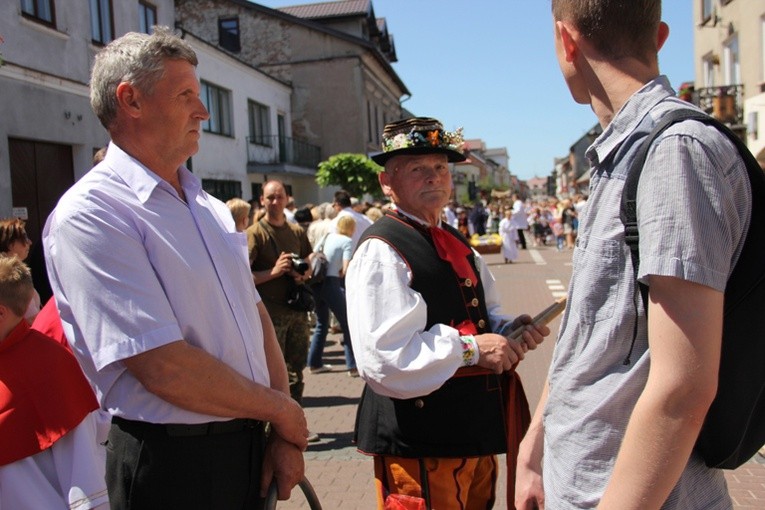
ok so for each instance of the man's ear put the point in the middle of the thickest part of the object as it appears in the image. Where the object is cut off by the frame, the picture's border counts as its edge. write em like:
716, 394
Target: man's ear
384, 179
128, 99
568, 41
662, 35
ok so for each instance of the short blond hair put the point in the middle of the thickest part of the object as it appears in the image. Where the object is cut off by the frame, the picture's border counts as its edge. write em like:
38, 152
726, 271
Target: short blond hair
16, 289
346, 225
239, 209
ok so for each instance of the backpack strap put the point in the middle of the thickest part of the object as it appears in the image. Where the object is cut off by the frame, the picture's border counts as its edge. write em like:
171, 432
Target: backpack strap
628, 211
320, 245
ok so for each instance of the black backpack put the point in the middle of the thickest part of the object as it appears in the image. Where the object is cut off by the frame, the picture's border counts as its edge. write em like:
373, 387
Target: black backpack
734, 428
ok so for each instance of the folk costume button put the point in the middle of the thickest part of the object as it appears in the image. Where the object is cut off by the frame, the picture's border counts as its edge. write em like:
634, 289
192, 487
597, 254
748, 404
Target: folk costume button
419, 404
481, 323
468, 282
474, 302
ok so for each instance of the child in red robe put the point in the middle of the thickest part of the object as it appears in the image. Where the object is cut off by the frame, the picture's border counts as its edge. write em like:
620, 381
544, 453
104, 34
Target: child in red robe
49, 455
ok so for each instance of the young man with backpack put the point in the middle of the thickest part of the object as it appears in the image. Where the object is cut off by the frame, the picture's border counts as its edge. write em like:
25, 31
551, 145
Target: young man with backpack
629, 388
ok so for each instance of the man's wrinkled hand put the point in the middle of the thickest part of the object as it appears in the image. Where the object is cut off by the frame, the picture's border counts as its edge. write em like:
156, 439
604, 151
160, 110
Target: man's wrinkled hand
497, 353
283, 462
291, 424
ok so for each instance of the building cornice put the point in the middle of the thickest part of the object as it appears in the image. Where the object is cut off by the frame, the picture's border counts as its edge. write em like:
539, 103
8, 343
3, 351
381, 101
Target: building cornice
38, 78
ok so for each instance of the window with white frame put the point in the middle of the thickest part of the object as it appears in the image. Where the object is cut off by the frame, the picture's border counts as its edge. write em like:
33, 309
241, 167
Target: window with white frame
218, 104
39, 10
708, 69
101, 21
752, 124
260, 123
731, 62
147, 17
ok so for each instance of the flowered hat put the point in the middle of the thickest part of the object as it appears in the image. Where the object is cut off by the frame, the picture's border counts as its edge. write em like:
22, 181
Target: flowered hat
419, 135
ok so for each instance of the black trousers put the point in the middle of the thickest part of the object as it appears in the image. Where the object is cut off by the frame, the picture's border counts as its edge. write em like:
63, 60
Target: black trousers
206, 466
522, 238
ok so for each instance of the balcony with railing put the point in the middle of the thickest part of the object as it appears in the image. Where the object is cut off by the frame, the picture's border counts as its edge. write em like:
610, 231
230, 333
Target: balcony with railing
725, 102
274, 153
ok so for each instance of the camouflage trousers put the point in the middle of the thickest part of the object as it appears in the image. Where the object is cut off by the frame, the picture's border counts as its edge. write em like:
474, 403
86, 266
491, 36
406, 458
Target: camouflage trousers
292, 333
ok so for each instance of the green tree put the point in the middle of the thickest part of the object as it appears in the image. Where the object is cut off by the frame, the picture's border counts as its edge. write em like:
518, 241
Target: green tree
355, 173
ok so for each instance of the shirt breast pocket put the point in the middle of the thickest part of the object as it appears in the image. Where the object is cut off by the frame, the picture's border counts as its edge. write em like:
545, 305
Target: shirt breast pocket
237, 241
598, 267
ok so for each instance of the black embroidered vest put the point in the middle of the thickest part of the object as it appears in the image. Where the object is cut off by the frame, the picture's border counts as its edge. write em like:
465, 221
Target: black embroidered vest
465, 417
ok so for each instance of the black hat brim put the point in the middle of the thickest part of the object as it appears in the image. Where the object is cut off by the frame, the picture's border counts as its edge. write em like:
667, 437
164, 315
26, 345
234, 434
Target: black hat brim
453, 156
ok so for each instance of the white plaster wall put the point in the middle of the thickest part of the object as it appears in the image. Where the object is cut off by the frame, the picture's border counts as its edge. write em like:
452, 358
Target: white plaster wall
743, 17
44, 94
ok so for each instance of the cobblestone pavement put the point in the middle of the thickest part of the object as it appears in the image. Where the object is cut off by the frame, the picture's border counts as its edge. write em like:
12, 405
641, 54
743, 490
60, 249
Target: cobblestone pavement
342, 477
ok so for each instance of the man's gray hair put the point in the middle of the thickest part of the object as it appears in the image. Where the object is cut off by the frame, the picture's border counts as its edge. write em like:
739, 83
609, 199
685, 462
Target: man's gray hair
135, 58
329, 211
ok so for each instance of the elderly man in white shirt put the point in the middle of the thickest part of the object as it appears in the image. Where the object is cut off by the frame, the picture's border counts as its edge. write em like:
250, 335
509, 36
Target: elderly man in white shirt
156, 297
428, 334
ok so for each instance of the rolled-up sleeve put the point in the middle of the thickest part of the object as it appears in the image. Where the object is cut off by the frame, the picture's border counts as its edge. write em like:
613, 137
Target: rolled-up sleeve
700, 240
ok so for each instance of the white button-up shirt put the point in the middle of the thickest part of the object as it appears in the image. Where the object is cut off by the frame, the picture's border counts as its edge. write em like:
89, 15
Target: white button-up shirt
133, 267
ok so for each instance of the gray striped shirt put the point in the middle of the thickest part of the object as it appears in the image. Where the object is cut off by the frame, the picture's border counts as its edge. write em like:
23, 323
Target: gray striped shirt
693, 208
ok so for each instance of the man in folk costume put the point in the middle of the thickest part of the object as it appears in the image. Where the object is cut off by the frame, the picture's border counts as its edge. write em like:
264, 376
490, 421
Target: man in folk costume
442, 398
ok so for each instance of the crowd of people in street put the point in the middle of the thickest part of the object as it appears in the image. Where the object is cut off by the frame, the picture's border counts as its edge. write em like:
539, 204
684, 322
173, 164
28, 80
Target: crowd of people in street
544, 221
180, 329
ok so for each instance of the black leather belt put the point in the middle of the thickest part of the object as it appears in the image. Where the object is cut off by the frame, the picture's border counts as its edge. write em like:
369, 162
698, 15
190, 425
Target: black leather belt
189, 430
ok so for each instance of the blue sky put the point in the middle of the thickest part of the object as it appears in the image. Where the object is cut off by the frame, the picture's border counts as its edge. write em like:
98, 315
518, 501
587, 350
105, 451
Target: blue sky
489, 66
